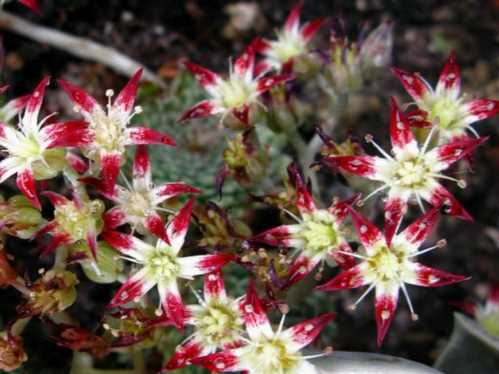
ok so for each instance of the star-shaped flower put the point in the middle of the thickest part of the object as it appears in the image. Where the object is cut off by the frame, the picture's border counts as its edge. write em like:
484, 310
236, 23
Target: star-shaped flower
32, 150
217, 321
110, 127
445, 107
292, 42
387, 268
266, 351
412, 171
139, 203
234, 94
317, 235
161, 265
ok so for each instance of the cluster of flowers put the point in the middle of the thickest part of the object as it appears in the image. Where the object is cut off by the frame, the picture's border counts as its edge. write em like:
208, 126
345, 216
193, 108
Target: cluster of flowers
230, 334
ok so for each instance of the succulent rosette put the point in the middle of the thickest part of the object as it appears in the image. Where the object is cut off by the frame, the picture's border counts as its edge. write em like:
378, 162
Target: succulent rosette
264, 350
317, 235
110, 128
161, 265
445, 107
412, 173
387, 266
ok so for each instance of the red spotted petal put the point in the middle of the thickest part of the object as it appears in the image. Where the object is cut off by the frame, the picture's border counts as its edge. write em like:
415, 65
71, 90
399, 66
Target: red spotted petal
395, 207
68, 134
254, 316
417, 232
202, 264
154, 223
419, 118
245, 64
184, 354
242, 114
293, 20
145, 135
205, 77
55, 198
169, 190
429, 277
34, 103
214, 286
126, 98
368, 233
385, 306
343, 260
481, 109
310, 28
363, 166
440, 196
305, 332
110, 163
118, 240
202, 109
301, 267
114, 217
400, 131
340, 209
178, 226
79, 96
77, 163
279, 236
27, 185
450, 78
449, 153
13, 107
304, 200
412, 83
131, 290
219, 362
266, 83
141, 164
175, 308
351, 278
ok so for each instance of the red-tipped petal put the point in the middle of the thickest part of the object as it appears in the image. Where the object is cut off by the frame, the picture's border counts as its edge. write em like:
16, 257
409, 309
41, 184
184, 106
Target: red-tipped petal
178, 226
343, 260
13, 107
305, 332
114, 217
429, 277
77, 163
34, 103
110, 163
440, 196
254, 314
301, 267
242, 114
205, 77
419, 118
126, 98
79, 97
68, 134
304, 199
141, 164
214, 286
368, 233
417, 232
477, 110
184, 354
351, 278
245, 64
27, 185
169, 190
310, 28
202, 109
191, 266
451, 152
118, 240
145, 135
154, 223
174, 306
55, 198
395, 208
340, 209
400, 131
279, 236
293, 20
219, 362
385, 306
266, 83
56, 241
450, 78
363, 166
132, 289
412, 83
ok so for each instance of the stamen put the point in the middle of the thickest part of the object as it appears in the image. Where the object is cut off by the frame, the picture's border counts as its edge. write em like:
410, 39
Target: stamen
414, 316
420, 203
352, 255
427, 141
440, 244
370, 139
197, 296
327, 351
284, 312
379, 189
460, 182
362, 297
473, 131
122, 175
292, 215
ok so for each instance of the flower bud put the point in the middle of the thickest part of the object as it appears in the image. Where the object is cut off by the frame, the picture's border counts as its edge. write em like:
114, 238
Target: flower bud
376, 49
20, 217
12, 354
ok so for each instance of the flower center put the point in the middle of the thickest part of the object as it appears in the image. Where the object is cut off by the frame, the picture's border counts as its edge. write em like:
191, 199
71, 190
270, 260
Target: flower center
447, 112
386, 265
77, 222
138, 204
162, 264
235, 92
287, 47
319, 232
219, 323
109, 130
270, 356
412, 173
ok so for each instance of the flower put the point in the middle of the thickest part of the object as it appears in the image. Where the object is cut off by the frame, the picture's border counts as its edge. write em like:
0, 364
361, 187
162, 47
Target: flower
74, 220
110, 128
387, 267
445, 107
266, 351
232, 95
217, 321
33, 150
292, 42
317, 234
412, 171
161, 266
138, 204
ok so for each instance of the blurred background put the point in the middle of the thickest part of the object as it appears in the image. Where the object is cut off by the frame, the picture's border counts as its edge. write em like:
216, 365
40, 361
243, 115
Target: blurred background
160, 34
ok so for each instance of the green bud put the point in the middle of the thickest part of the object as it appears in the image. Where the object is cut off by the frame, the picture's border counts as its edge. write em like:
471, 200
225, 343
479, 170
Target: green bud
108, 267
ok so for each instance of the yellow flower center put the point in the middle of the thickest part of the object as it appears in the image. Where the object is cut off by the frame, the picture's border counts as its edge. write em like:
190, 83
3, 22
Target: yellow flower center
109, 129
446, 112
287, 46
235, 92
77, 222
386, 265
162, 264
138, 203
412, 173
320, 232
